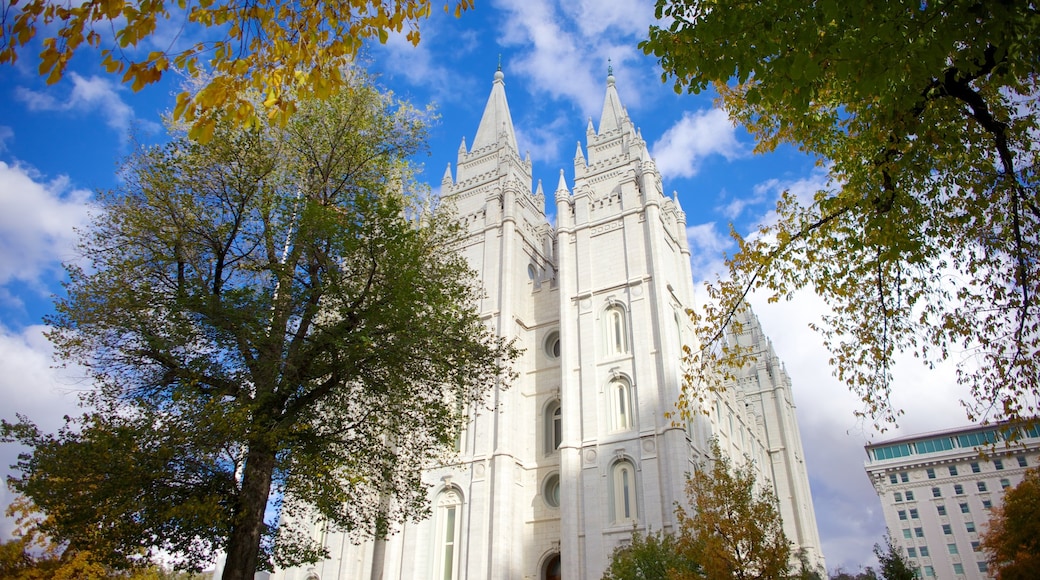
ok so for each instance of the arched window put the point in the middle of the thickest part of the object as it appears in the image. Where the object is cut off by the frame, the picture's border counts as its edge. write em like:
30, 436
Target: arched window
616, 329
553, 570
447, 522
552, 345
623, 492
619, 405
553, 427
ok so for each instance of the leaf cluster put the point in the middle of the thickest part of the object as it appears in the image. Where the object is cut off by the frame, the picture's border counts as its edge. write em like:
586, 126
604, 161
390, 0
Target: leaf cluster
280, 49
925, 239
1012, 539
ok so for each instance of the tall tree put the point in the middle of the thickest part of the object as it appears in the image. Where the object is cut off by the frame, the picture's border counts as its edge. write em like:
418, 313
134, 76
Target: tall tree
1012, 540
925, 114
272, 323
733, 528
276, 48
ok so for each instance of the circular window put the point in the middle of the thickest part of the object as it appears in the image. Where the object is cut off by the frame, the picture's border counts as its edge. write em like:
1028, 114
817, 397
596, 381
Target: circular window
552, 344
551, 490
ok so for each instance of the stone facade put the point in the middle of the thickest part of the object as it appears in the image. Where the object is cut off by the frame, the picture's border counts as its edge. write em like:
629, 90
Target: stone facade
560, 468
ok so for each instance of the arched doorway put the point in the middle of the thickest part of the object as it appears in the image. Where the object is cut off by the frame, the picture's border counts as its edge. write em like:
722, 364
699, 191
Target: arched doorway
552, 569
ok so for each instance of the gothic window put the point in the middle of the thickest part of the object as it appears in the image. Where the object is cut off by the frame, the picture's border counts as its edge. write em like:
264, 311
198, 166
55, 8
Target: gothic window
447, 525
623, 492
553, 427
553, 570
616, 329
619, 403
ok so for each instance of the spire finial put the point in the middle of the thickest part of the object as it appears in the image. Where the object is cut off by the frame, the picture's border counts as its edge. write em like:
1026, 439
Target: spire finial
610, 68
500, 61
499, 75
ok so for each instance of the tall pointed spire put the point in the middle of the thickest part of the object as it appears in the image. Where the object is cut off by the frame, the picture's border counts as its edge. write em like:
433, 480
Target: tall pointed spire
496, 125
614, 113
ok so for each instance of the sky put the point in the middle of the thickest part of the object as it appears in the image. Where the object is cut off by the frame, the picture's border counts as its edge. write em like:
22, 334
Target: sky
61, 143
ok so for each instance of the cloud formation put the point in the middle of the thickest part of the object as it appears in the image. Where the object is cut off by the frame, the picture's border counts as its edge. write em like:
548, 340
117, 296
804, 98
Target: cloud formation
92, 94
681, 149
37, 222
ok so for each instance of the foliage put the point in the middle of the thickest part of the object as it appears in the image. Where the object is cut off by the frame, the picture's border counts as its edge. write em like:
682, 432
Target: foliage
267, 327
892, 561
1012, 540
926, 116
734, 529
655, 556
864, 574
276, 48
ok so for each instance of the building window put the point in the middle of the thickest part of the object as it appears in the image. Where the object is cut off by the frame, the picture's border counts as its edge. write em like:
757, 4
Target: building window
975, 467
953, 470
998, 464
913, 514
958, 489
931, 473
1022, 461
552, 345
987, 504
909, 496
919, 532
619, 394
899, 496
906, 533
448, 524
551, 490
616, 330
624, 492
902, 514
553, 427
912, 552
924, 551
958, 568
904, 477
970, 526
929, 571
952, 548
976, 546
981, 485
947, 529
964, 508
553, 570
983, 567
1004, 484
936, 492
893, 479
941, 508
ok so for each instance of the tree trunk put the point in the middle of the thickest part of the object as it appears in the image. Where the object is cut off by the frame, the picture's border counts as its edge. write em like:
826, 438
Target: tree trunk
243, 545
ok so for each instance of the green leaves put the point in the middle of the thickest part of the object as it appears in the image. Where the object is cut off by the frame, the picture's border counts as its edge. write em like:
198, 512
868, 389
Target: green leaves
925, 242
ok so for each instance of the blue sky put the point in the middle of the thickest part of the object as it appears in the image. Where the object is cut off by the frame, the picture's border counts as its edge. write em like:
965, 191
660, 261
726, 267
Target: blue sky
60, 143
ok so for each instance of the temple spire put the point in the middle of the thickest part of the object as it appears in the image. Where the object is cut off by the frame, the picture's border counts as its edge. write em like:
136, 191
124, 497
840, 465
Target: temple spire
614, 114
496, 125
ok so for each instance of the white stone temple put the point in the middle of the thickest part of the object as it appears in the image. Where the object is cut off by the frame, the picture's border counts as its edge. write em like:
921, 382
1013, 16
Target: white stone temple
560, 468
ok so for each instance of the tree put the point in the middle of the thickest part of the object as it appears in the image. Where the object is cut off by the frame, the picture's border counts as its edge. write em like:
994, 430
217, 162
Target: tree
276, 48
655, 556
1012, 540
893, 562
271, 321
733, 529
925, 242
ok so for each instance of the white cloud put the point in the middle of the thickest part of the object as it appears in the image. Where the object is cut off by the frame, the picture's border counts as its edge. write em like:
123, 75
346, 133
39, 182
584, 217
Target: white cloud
681, 149
37, 220
88, 95
31, 386
707, 247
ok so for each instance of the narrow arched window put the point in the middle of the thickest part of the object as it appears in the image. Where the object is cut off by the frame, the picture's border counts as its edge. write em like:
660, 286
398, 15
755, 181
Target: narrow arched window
623, 492
447, 525
553, 427
619, 405
616, 330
